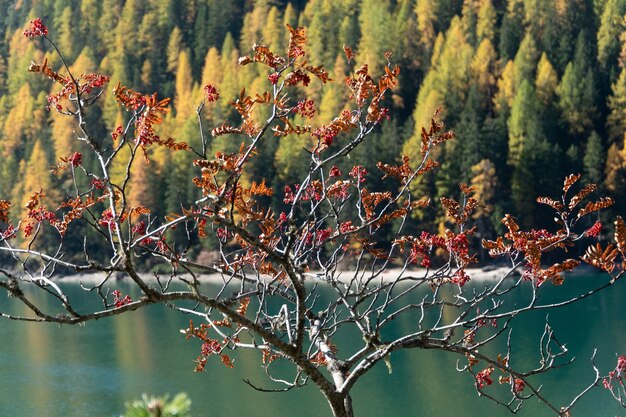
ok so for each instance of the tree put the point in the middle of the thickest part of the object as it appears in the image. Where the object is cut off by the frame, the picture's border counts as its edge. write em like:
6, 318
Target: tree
426, 20
616, 120
576, 99
273, 265
608, 34
526, 60
486, 24
595, 156
482, 67
546, 81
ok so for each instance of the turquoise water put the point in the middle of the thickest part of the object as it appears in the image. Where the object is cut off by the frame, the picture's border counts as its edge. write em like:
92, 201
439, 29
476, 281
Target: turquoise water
52, 371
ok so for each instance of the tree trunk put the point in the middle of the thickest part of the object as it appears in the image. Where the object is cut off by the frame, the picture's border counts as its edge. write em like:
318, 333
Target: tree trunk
341, 406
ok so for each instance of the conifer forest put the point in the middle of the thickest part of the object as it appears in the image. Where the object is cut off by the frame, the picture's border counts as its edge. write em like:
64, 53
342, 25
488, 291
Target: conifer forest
534, 90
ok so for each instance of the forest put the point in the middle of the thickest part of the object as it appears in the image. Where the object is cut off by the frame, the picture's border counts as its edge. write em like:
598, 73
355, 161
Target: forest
534, 90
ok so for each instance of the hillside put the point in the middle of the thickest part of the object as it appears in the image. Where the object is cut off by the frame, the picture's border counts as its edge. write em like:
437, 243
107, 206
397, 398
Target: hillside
534, 90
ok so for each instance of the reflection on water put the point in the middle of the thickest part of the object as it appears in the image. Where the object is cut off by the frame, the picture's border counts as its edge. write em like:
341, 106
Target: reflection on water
94, 369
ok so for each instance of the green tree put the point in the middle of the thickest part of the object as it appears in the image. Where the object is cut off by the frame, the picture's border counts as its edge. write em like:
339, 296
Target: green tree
507, 89
273, 31
526, 60
525, 122
576, 93
594, 159
615, 173
608, 33
546, 81
66, 37
470, 147
174, 47
483, 72
426, 20
184, 85
37, 176
511, 29
486, 24
111, 11
616, 120
376, 37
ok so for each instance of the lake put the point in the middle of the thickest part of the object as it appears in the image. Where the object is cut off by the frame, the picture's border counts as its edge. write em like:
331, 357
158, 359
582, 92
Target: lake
92, 370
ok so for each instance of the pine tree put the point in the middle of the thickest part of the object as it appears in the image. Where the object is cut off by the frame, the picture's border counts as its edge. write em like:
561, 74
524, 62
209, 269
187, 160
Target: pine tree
483, 70
334, 94
183, 97
19, 129
65, 38
469, 13
546, 81
88, 22
174, 48
608, 33
454, 69
526, 59
507, 89
111, 11
212, 73
429, 99
525, 122
470, 148
511, 29
576, 99
615, 173
376, 37
230, 83
594, 160
616, 120
273, 31
486, 24
426, 20
253, 23
485, 183
38, 176
535, 162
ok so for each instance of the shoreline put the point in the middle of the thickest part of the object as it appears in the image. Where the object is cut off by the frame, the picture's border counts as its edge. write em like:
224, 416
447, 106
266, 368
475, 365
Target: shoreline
476, 274
489, 273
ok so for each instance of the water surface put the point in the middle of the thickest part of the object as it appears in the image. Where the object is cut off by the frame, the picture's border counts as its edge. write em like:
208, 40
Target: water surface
92, 370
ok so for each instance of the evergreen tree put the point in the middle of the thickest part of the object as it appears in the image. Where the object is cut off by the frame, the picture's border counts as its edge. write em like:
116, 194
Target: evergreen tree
66, 35
334, 95
470, 147
546, 81
469, 13
576, 99
511, 29
376, 37
486, 24
615, 174
526, 60
426, 20
483, 70
19, 127
273, 31
507, 89
616, 120
38, 176
183, 97
174, 48
525, 122
111, 10
594, 159
608, 33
